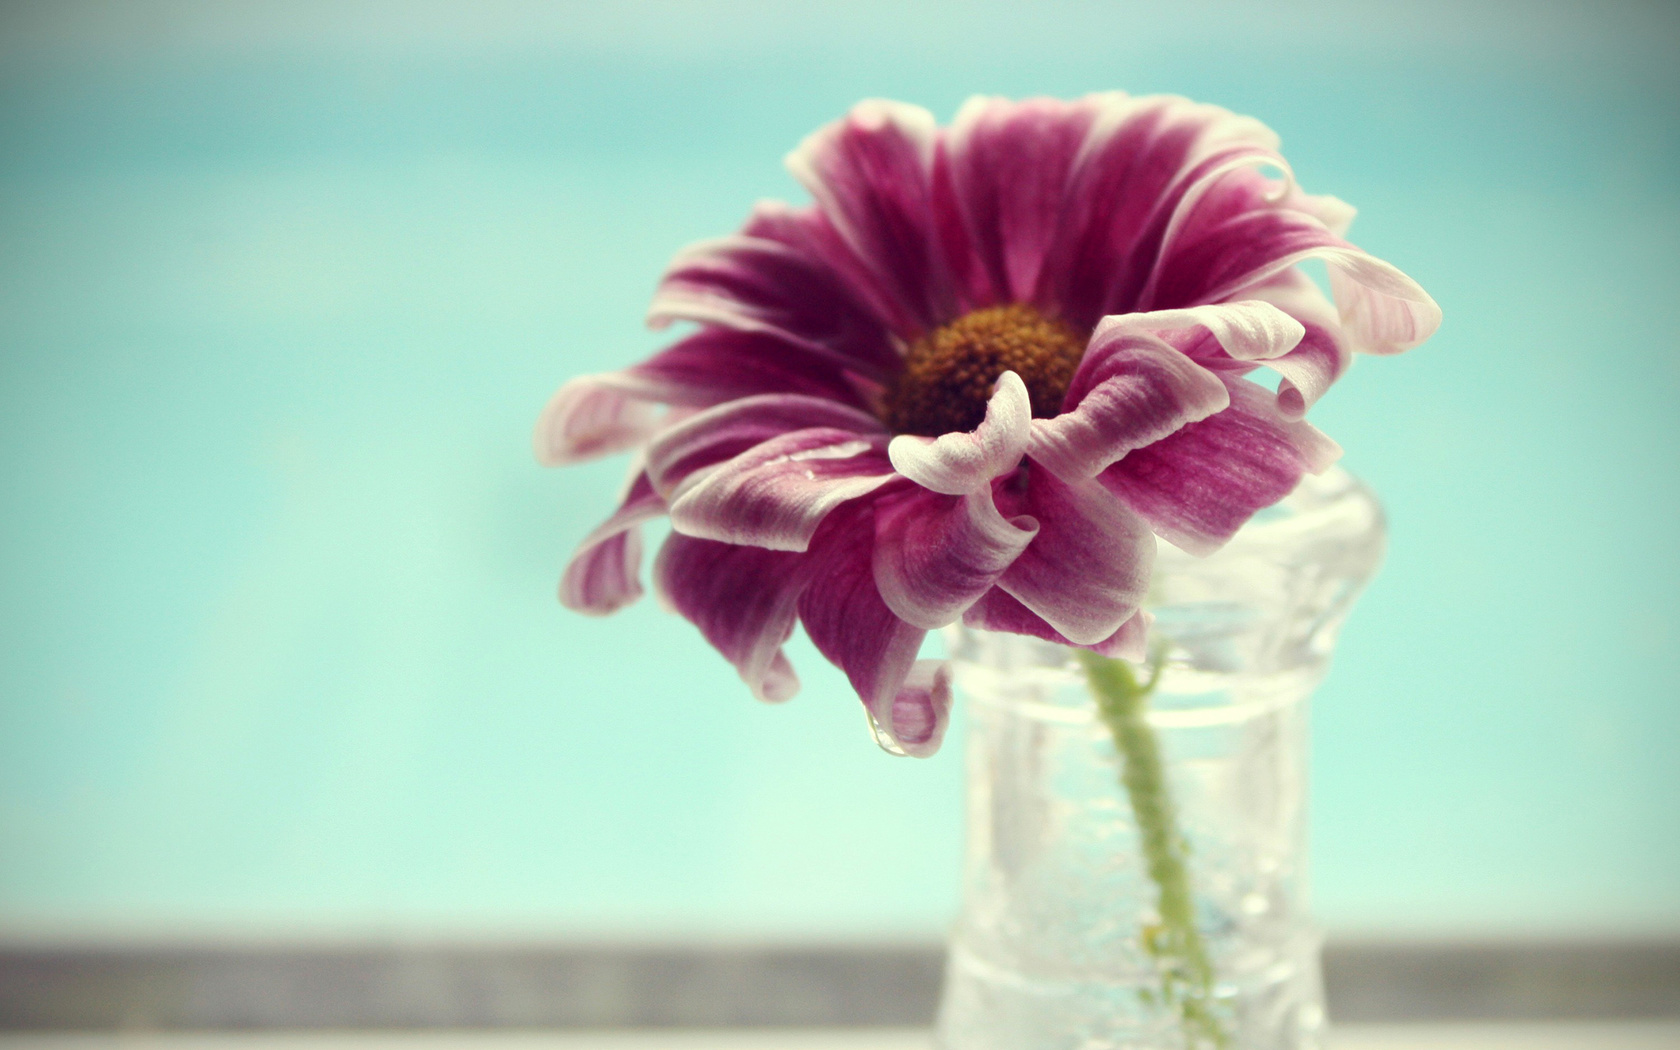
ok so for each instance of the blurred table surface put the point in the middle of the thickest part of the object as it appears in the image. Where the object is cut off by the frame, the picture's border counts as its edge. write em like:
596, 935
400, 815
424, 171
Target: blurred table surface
1622, 1036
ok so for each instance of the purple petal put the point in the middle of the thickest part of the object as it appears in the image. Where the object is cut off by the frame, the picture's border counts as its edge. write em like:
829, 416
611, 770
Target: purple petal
744, 601
589, 417
715, 365
1248, 228
1197, 487
935, 555
1009, 164
1088, 569
1131, 390
850, 625
810, 233
922, 708
998, 611
1139, 160
721, 433
871, 175
962, 462
602, 576
1231, 238
776, 494
755, 284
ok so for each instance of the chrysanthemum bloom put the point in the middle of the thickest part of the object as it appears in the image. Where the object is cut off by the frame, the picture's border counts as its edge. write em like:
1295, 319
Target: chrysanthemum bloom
974, 381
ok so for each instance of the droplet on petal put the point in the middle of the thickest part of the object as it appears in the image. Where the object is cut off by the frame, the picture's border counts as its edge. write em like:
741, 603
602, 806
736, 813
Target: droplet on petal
883, 737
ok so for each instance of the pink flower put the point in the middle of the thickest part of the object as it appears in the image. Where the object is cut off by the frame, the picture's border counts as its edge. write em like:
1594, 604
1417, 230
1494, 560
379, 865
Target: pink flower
975, 381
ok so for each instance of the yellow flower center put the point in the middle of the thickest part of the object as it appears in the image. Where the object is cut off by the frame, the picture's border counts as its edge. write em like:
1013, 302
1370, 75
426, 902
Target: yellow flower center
948, 375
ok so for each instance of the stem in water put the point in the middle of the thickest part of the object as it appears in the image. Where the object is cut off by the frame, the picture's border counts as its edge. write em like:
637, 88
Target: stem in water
1174, 943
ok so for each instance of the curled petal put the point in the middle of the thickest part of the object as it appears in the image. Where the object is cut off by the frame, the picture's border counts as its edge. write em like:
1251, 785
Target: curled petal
776, 494
1197, 487
755, 284
1385, 311
1140, 379
1323, 353
743, 599
850, 625
1087, 571
1250, 330
962, 462
871, 175
591, 416
935, 555
708, 438
1241, 233
1132, 389
998, 611
921, 708
603, 575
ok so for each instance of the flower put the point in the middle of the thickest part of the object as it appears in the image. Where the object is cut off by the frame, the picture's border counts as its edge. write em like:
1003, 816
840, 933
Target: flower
974, 381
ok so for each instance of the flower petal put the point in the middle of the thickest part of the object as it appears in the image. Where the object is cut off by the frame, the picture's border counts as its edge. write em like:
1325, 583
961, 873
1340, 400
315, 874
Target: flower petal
1087, 571
962, 462
1140, 159
810, 233
715, 365
776, 494
1245, 331
998, 611
754, 284
1197, 487
1323, 353
723, 432
1385, 311
1009, 165
602, 576
589, 417
743, 599
935, 555
1132, 389
1249, 228
871, 175
850, 625
921, 708
1130, 641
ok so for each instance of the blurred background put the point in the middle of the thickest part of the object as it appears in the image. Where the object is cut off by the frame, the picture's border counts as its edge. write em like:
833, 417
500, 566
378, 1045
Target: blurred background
284, 285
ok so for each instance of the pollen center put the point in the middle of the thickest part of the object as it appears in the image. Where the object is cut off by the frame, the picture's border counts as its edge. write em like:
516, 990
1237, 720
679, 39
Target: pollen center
948, 375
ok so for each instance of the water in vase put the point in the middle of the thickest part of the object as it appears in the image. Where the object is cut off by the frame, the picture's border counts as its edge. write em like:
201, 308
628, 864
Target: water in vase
1052, 949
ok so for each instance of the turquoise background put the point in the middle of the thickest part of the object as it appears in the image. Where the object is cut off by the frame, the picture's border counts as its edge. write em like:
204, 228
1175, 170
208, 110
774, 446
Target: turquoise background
283, 288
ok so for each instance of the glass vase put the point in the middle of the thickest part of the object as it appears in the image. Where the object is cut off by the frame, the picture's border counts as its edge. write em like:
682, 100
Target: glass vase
1057, 944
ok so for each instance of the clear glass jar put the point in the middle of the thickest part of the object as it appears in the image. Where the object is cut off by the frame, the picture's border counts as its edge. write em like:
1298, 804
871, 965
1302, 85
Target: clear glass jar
1049, 951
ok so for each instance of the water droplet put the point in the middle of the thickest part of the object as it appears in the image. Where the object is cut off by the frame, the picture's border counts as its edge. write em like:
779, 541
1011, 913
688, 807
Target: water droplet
882, 737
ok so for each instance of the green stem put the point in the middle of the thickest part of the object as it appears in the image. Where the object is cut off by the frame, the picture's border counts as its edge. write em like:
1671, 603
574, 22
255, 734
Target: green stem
1174, 943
